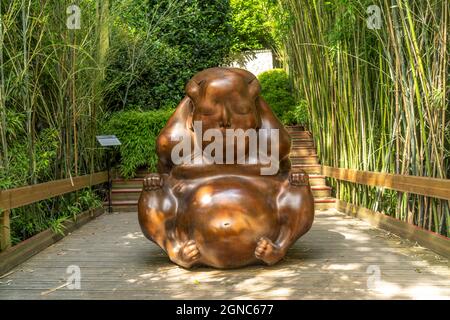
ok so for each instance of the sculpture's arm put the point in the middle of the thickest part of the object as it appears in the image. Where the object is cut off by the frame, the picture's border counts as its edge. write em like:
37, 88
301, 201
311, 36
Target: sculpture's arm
178, 125
296, 217
270, 121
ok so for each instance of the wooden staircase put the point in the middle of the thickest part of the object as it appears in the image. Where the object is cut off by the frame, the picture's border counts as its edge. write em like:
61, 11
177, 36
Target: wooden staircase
126, 192
304, 156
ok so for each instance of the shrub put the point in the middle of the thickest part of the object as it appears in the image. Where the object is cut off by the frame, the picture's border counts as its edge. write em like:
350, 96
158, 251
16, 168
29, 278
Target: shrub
276, 91
298, 115
137, 131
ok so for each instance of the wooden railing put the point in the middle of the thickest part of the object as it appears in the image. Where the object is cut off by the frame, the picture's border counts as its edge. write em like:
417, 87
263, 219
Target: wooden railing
19, 197
430, 187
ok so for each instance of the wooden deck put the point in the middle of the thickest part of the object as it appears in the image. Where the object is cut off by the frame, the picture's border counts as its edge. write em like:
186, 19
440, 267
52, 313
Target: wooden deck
338, 259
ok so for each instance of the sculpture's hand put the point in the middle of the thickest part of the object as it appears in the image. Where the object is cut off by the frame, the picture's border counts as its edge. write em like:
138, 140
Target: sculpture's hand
189, 254
268, 252
153, 182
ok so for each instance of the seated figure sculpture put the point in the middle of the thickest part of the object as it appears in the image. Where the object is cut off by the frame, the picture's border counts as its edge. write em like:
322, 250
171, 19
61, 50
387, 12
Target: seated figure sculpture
224, 214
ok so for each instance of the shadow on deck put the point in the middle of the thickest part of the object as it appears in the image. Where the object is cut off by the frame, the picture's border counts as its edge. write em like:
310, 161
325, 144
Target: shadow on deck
338, 259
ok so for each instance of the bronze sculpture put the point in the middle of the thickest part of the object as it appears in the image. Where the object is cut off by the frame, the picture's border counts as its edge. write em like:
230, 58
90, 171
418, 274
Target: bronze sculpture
221, 214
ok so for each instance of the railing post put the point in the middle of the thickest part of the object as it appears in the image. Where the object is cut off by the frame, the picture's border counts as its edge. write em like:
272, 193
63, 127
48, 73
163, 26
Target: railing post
5, 230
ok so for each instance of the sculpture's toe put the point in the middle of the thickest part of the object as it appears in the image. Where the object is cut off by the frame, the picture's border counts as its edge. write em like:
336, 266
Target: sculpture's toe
153, 181
300, 178
189, 254
267, 251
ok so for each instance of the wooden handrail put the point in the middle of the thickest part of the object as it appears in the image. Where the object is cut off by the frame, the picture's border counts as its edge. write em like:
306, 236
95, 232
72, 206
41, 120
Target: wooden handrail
430, 187
19, 197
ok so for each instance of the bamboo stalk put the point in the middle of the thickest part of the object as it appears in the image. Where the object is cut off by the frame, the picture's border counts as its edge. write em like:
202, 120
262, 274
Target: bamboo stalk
377, 98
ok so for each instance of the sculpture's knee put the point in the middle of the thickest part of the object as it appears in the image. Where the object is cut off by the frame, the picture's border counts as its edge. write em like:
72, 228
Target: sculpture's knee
156, 207
296, 204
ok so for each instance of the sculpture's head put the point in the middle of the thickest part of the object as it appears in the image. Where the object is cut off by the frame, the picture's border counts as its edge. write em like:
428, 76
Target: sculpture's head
223, 117
224, 98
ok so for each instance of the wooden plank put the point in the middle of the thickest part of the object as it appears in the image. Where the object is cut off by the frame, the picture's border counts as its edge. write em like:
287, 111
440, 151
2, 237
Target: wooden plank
330, 261
5, 230
28, 248
425, 186
425, 238
15, 198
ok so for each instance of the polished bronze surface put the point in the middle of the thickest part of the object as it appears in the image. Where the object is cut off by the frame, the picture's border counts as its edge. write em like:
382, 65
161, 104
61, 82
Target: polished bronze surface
218, 214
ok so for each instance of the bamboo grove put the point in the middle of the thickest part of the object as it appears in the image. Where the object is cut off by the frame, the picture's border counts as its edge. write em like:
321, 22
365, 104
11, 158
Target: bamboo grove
378, 97
51, 93
50, 87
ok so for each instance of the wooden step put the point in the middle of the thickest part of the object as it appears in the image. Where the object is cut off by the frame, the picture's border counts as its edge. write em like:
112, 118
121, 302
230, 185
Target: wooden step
302, 147
317, 180
303, 144
127, 183
301, 135
295, 129
324, 203
321, 191
308, 168
124, 205
125, 196
300, 139
126, 190
301, 152
312, 159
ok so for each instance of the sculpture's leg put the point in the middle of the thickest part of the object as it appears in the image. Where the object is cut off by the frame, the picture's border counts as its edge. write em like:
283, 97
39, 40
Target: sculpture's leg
157, 215
296, 210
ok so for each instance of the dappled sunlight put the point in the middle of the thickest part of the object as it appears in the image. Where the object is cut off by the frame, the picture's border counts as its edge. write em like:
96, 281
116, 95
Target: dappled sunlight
349, 235
346, 267
252, 285
333, 261
386, 289
427, 292
134, 235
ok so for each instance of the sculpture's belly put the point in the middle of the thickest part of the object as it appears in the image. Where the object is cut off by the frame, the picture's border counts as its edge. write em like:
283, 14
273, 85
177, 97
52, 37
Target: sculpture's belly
227, 217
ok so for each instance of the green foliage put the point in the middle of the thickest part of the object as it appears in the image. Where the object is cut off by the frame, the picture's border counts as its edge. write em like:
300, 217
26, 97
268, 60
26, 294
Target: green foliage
51, 214
354, 81
254, 26
159, 51
298, 115
46, 148
58, 85
275, 89
138, 132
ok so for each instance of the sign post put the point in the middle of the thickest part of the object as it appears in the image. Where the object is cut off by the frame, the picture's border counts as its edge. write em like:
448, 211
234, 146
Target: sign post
109, 142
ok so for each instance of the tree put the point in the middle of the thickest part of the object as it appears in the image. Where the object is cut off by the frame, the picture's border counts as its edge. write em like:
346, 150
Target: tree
253, 26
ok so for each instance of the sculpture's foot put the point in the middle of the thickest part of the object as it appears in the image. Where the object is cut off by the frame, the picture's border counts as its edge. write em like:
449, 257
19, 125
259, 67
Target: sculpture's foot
268, 252
189, 254
153, 182
300, 178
